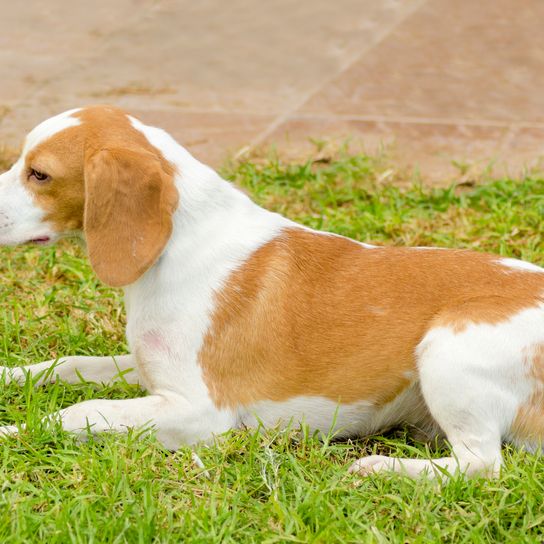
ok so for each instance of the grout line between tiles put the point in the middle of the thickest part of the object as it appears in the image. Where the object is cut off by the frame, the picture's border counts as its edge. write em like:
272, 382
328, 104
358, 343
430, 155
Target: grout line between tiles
298, 104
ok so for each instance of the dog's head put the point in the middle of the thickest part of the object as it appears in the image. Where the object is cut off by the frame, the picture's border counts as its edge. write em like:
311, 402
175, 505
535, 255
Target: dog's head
92, 170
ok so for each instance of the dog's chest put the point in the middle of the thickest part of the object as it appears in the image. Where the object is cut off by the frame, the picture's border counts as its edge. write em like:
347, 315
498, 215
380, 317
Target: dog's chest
166, 328
171, 308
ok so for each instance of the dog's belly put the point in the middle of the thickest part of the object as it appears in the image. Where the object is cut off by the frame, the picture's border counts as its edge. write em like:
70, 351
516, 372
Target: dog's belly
343, 420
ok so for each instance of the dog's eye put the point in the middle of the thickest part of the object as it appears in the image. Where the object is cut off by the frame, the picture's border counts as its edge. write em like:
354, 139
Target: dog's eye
40, 177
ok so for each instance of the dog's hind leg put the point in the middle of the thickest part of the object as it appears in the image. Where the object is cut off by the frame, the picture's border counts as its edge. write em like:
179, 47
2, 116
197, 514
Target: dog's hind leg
74, 369
474, 381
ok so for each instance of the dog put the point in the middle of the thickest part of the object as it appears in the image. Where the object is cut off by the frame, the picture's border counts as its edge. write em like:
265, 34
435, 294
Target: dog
237, 316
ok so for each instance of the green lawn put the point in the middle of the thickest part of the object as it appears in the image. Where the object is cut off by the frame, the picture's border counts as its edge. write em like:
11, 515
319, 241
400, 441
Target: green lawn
272, 487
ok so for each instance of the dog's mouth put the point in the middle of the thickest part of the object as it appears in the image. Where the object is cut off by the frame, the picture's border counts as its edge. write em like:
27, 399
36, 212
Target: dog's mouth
40, 240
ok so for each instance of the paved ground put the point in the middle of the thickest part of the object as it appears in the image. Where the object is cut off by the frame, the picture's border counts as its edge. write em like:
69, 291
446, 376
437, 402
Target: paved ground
433, 80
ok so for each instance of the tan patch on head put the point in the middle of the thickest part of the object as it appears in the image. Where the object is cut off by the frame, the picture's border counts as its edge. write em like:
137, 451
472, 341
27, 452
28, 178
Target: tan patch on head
298, 318
108, 179
62, 158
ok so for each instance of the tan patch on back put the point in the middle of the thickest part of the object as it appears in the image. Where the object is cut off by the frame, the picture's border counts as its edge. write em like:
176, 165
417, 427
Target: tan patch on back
314, 314
490, 309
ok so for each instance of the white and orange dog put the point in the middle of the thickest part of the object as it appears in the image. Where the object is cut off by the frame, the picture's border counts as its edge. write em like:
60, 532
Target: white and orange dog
238, 316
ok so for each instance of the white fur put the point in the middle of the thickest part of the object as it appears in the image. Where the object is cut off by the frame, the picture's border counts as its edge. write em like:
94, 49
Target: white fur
469, 383
423, 248
340, 420
20, 219
49, 128
516, 264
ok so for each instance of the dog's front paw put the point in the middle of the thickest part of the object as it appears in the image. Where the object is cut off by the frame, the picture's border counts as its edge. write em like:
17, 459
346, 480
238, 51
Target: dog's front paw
5, 375
11, 374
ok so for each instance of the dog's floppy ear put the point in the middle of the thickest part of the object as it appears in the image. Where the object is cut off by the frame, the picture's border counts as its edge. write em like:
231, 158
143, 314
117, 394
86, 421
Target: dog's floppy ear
129, 201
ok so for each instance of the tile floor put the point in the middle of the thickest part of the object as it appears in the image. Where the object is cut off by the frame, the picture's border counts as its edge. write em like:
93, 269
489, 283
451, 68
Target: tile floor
436, 82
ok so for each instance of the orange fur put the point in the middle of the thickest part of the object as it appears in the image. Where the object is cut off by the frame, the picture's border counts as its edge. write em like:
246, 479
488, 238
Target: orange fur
317, 314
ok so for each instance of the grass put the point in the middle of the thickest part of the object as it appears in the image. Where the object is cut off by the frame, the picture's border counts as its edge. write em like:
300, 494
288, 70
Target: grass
270, 487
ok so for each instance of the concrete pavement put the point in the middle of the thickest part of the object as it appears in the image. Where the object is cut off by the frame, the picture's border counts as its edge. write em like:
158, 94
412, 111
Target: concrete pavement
438, 82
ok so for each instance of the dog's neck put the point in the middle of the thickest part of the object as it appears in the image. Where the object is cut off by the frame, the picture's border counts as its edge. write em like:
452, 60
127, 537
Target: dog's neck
203, 194
216, 227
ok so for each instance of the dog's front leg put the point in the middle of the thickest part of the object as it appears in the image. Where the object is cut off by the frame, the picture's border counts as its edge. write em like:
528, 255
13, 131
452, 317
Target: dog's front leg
74, 369
175, 421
